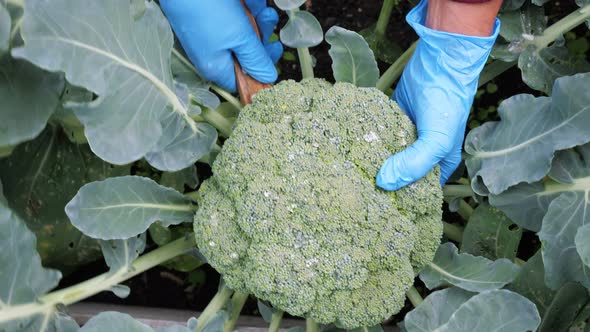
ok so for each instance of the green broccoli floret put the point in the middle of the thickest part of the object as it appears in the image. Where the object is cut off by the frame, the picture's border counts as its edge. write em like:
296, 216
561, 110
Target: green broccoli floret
292, 213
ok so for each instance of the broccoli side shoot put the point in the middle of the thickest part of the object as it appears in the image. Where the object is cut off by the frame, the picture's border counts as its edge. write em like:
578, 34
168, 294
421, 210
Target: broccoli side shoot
292, 213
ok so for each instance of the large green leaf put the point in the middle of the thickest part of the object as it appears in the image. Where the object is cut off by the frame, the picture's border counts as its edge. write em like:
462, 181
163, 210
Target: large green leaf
353, 60
583, 243
558, 308
114, 321
455, 310
552, 124
22, 279
489, 233
5, 25
436, 310
566, 214
177, 180
29, 96
527, 204
126, 62
39, 178
541, 67
302, 30
540, 64
472, 273
123, 207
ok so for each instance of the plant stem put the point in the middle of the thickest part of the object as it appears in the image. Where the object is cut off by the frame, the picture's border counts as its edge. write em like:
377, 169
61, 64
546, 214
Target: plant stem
224, 94
457, 190
562, 26
414, 297
519, 261
384, 16
493, 70
465, 210
217, 302
305, 62
99, 283
192, 195
396, 69
311, 326
237, 303
17, 3
214, 118
275, 321
453, 232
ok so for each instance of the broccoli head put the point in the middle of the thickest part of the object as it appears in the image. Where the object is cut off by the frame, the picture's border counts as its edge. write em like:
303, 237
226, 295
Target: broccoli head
292, 213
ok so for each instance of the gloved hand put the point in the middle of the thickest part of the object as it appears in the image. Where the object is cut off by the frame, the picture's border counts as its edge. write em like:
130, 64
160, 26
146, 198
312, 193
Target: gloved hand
436, 91
210, 30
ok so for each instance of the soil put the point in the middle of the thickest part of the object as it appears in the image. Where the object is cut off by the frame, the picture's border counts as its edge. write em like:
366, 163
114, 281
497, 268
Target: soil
161, 287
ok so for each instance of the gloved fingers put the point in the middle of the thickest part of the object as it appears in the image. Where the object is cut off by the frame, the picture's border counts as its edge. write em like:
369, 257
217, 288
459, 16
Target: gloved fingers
413, 163
218, 68
254, 60
267, 20
255, 6
274, 50
449, 164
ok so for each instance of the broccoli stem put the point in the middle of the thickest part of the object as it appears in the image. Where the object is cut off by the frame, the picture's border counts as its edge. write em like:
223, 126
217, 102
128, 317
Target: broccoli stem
217, 303
311, 326
99, 283
214, 118
453, 232
384, 17
305, 62
562, 26
396, 69
275, 321
414, 297
237, 303
457, 190
465, 210
224, 94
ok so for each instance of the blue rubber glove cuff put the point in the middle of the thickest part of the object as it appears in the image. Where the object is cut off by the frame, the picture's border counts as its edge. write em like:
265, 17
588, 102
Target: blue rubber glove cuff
436, 91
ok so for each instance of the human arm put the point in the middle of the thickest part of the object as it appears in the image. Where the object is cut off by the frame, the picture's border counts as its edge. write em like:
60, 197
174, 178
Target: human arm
213, 31
438, 85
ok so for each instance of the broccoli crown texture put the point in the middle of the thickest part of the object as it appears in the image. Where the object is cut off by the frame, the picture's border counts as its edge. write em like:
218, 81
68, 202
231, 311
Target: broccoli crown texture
292, 213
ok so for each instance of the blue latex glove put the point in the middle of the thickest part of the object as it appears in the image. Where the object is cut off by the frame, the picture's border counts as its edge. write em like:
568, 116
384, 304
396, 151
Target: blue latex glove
436, 91
211, 30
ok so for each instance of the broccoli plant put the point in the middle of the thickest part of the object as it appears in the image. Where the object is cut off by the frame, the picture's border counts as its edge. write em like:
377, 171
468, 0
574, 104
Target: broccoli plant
102, 120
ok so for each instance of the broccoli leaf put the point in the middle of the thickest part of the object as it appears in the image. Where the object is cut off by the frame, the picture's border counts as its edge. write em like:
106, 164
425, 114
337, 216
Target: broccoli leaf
475, 274
583, 243
353, 60
302, 30
5, 25
123, 207
40, 177
126, 62
457, 310
557, 308
26, 279
114, 321
119, 254
489, 233
29, 96
552, 124
178, 180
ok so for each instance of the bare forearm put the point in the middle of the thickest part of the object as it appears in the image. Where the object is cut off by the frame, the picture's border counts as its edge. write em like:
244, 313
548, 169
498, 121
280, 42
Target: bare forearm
474, 19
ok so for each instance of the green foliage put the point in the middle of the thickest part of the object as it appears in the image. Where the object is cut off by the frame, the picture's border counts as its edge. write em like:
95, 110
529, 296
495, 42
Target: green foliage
552, 123
472, 273
315, 237
352, 59
456, 310
302, 30
123, 207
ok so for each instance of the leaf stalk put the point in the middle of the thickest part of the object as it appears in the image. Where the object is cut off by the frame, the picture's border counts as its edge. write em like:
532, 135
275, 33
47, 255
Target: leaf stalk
396, 69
